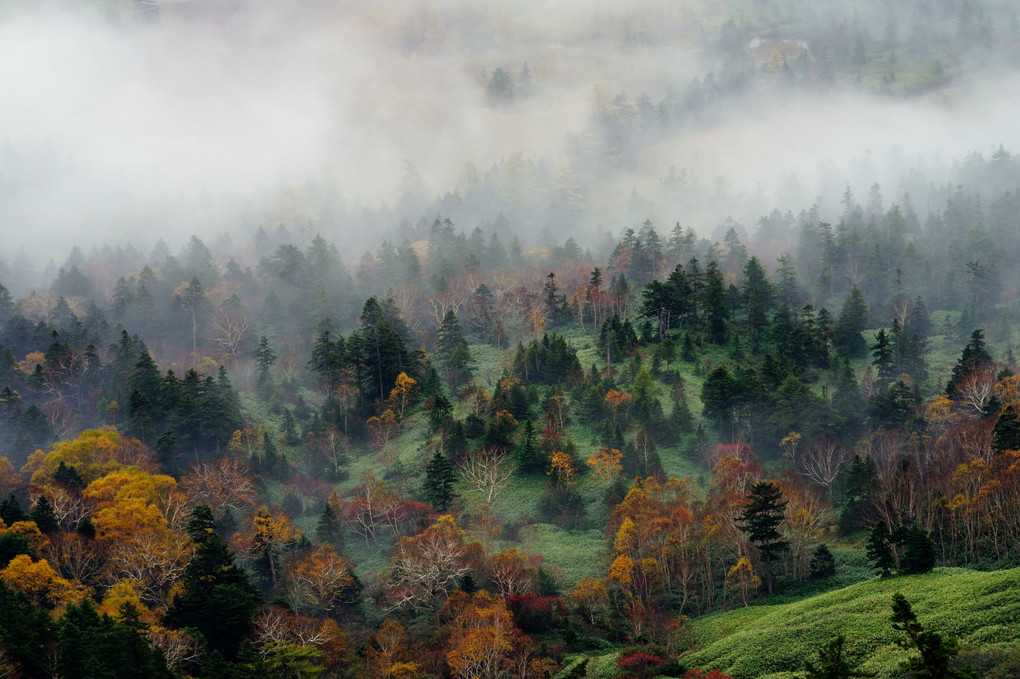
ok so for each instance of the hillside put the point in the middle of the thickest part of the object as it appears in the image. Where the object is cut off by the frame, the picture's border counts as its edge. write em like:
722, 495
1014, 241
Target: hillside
773, 641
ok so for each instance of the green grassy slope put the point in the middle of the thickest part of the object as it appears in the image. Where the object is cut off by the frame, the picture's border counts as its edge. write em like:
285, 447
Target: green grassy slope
980, 609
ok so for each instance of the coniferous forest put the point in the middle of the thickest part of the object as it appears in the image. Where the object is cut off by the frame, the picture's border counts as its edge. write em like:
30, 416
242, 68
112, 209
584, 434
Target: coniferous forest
591, 403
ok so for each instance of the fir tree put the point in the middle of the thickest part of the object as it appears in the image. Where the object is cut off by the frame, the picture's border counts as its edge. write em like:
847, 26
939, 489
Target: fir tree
328, 527
974, 357
452, 353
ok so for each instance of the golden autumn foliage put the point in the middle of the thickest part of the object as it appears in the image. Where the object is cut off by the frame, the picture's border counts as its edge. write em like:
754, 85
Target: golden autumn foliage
26, 529
94, 453
382, 428
561, 469
403, 394
121, 593
590, 596
8, 478
387, 657
620, 570
626, 537
137, 517
742, 579
481, 638
606, 464
41, 584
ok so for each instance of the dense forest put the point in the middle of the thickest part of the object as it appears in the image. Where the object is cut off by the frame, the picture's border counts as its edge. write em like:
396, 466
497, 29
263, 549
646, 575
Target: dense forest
529, 424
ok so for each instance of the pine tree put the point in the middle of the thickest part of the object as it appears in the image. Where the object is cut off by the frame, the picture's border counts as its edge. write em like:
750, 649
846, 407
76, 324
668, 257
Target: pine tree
437, 489
761, 518
935, 652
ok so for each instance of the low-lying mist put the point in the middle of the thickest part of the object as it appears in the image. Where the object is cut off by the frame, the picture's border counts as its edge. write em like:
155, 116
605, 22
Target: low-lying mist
200, 118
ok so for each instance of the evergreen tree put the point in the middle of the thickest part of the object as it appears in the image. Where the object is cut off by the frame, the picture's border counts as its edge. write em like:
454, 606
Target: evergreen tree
11, 511
42, 514
25, 633
452, 353
719, 395
831, 663
328, 527
68, 475
437, 489
761, 518
853, 318
288, 428
529, 457
858, 492
756, 295
217, 598
90, 646
882, 358
166, 453
918, 551
822, 564
880, 551
974, 357
264, 357
935, 652
1006, 435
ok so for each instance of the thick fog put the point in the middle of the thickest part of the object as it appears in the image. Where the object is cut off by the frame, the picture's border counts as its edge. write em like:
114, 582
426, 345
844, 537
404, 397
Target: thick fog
134, 121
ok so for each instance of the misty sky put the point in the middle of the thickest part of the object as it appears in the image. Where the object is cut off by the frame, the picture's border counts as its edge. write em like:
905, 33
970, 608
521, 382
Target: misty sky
116, 130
